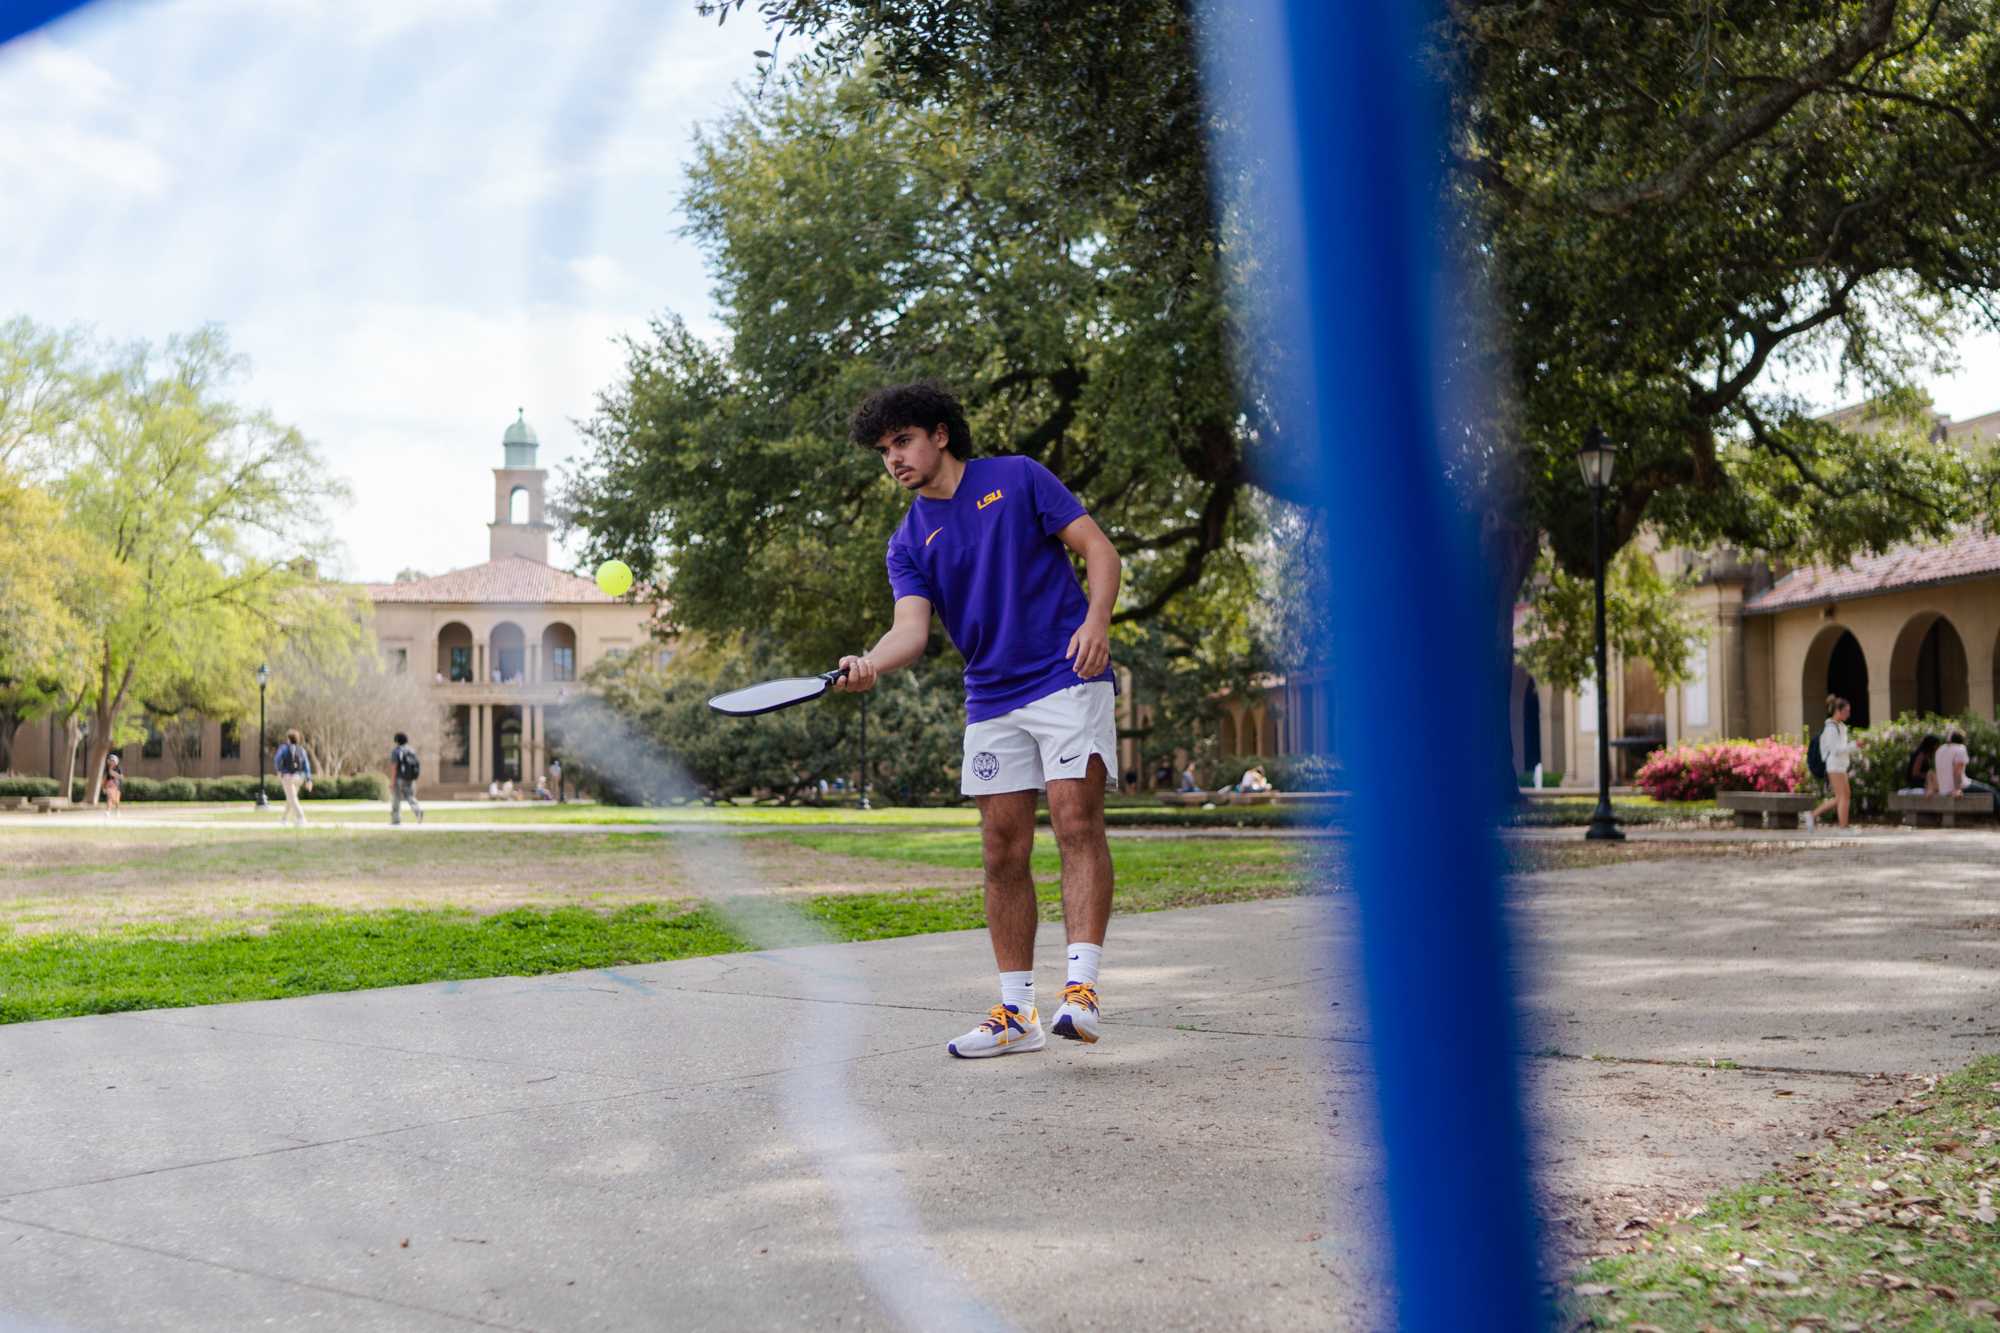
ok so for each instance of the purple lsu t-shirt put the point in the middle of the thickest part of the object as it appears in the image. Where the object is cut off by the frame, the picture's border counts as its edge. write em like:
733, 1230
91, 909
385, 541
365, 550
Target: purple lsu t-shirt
990, 564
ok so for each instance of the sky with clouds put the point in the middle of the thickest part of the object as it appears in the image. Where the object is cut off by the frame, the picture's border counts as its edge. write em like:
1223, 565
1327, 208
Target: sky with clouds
413, 216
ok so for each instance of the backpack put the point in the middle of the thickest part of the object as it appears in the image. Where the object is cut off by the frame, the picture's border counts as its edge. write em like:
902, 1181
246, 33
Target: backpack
291, 759
1815, 761
407, 767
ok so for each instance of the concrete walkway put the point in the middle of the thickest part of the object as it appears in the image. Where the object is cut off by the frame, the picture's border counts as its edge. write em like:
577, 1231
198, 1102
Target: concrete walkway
773, 1140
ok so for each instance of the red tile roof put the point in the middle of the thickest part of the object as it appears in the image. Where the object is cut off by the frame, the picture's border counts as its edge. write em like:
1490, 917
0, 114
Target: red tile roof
513, 579
1973, 555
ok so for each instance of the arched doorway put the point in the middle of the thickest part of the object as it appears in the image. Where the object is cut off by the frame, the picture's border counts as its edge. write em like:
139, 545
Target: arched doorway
559, 653
1531, 728
1835, 664
510, 652
507, 744
1927, 674
1524, 721
455, 652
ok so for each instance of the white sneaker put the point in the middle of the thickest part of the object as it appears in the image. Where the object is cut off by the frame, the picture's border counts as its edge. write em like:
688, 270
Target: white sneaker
1806, 820
1077, 1019
1005, 1032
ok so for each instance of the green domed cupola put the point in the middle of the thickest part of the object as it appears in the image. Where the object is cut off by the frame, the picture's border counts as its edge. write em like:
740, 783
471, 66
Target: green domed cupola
520, 441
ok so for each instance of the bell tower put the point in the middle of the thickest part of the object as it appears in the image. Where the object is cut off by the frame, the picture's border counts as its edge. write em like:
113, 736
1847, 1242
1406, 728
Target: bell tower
518, 527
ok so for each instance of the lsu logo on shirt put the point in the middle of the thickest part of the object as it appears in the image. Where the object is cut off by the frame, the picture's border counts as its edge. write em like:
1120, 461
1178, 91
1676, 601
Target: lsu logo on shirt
988, 498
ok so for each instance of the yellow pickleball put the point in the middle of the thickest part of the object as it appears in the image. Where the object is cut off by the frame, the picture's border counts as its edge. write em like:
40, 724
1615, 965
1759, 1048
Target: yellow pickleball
614, 578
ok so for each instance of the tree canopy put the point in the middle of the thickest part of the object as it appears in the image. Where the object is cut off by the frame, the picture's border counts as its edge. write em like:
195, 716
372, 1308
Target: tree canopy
857, 242
188, 537
1665, 208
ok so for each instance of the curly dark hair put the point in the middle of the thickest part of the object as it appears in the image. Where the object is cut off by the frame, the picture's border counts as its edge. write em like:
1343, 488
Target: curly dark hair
925, 404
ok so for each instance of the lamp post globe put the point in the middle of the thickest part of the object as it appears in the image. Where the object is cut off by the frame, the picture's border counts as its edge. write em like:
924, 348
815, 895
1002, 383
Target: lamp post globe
1596, 459
263, 679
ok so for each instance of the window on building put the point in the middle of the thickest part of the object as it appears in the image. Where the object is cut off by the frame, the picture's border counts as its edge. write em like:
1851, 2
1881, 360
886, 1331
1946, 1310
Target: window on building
562, 663
461, 663
517, 505
187, 740
1694, 694
232, 740
156, 742
399, 660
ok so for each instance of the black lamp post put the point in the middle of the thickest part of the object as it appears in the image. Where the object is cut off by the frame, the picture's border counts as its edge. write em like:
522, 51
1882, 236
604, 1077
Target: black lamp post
1596, 459
263, 679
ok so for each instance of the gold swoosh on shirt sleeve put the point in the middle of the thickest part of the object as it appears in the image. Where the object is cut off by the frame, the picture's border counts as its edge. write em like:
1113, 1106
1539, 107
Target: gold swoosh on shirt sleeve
934, 533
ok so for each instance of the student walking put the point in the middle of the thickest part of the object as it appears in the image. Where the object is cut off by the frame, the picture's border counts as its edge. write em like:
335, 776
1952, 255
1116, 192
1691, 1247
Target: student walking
114, 783
295, 770
404, 769
1836, 751
986, 546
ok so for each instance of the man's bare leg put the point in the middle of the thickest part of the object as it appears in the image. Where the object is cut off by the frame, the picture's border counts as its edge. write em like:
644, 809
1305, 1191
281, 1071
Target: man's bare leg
1007, 838
1076, 810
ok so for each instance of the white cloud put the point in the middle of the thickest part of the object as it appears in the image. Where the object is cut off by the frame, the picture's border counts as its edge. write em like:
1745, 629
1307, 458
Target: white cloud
72, 131
599, 273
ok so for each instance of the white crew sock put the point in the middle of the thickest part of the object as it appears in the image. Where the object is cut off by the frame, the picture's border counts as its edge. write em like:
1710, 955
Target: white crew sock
1083, 961
1018, 989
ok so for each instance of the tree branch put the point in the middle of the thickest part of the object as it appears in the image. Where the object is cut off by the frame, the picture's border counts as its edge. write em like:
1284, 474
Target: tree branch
1754, 122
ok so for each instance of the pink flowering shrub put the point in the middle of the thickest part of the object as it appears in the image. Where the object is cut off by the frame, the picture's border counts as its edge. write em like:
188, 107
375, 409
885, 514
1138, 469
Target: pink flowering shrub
1698, 772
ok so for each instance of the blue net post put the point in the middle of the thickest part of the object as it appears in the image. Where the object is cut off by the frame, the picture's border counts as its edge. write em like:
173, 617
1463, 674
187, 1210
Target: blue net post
1333, 140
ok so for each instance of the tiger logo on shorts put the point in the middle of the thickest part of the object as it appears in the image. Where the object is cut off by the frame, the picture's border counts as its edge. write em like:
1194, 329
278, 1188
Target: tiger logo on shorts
986, 765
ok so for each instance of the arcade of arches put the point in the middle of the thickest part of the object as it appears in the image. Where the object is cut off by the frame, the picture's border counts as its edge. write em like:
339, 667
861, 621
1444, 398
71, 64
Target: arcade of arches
1770, 664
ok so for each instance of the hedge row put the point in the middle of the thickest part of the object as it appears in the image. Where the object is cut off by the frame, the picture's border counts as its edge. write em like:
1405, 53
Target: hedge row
354, 787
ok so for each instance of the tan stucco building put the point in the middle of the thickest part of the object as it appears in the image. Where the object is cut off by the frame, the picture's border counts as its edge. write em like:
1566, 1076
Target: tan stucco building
504, 642
1916, 628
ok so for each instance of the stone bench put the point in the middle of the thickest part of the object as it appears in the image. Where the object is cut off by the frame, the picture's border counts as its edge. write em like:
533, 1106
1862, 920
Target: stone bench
1940, 811
1766, 809
13, 802
1184, 798
48, 805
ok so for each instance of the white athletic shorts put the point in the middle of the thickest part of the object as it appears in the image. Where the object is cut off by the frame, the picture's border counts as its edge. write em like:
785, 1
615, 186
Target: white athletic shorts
1053, 737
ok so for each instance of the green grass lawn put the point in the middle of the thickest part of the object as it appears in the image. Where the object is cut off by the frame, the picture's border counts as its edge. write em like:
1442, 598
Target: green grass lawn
214, 939
1567, 811
1892, 1226
1138, 861
1143, 811
544, 812
313, 952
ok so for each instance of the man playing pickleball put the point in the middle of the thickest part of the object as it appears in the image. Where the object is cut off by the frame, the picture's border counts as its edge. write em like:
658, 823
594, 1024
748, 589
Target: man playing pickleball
987, 545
